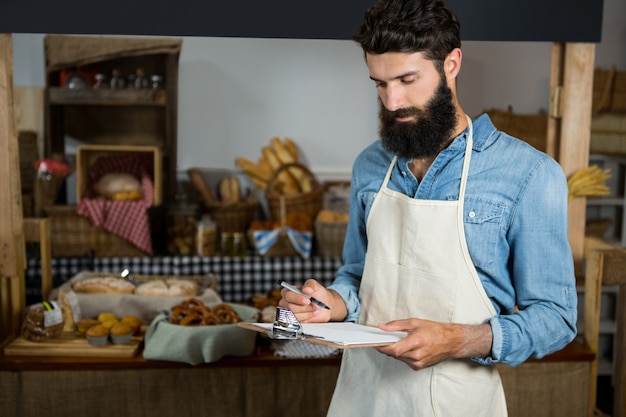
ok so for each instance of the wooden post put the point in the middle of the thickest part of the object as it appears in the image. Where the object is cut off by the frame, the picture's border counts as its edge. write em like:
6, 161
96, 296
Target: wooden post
575, 131
12, 249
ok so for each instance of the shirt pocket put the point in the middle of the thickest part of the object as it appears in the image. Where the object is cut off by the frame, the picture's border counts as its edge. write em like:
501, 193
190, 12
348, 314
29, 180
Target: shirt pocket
483, 221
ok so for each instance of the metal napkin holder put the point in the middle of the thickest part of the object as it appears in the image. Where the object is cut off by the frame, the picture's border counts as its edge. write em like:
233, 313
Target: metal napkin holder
286, 325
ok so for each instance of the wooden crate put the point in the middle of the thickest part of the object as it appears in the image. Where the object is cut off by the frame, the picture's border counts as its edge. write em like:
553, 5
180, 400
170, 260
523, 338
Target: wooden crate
86, 155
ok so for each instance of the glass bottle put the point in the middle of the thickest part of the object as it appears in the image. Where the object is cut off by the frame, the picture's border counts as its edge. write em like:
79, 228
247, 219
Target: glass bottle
100, 81
117, 81
141, 81
156, 82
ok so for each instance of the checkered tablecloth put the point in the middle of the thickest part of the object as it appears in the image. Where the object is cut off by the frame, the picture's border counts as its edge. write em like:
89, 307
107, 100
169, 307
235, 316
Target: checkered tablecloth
238, 278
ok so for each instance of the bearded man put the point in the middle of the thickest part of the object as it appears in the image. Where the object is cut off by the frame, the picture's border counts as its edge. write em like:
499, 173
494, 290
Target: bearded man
457, 235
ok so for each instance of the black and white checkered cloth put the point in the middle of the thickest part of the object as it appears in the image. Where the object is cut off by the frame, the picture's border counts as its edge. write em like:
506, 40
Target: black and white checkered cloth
238, 278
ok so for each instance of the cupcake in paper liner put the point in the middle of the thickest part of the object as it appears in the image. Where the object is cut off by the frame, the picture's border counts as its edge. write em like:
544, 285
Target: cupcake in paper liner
121, 334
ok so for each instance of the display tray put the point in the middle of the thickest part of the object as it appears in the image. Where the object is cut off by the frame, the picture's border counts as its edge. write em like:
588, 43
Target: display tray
72, 345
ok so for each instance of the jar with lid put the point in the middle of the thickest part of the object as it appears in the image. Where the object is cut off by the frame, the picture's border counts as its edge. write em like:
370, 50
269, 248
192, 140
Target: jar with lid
117, 81
141, 80
100, 81
206, 236
156, 82
181, 227
240, 245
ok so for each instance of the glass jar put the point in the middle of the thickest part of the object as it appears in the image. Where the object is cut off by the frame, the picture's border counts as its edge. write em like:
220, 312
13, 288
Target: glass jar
156, 82
181, 228
226, 244
240, 245
141, 80
100, 81
206, 236
117, 81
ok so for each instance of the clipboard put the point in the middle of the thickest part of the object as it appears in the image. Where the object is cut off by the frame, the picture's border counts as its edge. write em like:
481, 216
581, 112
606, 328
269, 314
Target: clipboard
341, 335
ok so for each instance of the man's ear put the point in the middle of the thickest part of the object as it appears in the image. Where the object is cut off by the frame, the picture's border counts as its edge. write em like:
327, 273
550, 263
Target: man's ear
452, 64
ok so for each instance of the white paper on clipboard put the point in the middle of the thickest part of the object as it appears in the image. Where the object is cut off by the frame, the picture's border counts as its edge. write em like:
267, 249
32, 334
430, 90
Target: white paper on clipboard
339, 334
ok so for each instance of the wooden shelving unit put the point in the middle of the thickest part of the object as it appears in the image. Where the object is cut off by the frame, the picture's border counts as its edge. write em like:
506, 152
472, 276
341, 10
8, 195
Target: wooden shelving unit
125, 116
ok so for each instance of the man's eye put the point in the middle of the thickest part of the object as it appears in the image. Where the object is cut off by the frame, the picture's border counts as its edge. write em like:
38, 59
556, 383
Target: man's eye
407, 80
380, 84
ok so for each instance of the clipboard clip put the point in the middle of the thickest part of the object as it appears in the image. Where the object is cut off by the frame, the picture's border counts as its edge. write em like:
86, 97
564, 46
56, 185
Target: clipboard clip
287, 327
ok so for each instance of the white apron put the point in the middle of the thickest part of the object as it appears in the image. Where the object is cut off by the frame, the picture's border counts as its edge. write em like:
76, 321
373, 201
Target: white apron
417, 265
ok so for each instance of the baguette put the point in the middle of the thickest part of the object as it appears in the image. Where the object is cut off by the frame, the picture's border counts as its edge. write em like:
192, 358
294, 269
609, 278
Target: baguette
292, 148
285, 183
287, 157
230, 190
197, 180
258, 174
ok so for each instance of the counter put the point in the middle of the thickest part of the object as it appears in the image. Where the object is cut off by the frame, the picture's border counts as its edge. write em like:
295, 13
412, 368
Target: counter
258, 385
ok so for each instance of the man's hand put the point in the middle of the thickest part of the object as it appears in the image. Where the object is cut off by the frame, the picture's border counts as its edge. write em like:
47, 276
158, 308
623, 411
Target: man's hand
429, 342
306, 311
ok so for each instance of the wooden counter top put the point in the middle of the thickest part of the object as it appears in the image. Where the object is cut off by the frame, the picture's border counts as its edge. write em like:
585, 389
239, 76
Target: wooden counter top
262, 356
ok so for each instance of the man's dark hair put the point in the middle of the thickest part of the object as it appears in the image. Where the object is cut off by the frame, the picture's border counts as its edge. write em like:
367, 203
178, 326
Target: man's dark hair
426, 26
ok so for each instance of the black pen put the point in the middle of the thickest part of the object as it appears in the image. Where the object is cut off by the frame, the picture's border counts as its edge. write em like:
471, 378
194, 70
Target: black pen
297, 291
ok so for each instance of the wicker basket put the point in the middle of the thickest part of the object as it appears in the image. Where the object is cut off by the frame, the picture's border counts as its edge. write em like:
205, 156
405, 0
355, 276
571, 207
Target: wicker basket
233, 217
310, 202
73, 235
609, 90
329, 237
531, 128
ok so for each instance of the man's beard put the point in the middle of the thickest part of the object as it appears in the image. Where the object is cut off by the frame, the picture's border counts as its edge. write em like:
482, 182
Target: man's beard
425, 136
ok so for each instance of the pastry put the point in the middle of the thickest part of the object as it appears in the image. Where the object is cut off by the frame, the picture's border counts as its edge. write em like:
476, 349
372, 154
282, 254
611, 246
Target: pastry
182, 287
104, 285
37, 327
153, 287
85, 324
169, 287
134, 322
106, 316
97, 335
121, 334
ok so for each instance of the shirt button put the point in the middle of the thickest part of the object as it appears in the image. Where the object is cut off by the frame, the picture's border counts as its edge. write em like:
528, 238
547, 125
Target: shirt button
472, 214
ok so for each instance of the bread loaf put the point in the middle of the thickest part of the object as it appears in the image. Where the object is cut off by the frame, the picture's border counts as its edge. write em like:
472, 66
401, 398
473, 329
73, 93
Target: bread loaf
169, 287
116, 182
103, 285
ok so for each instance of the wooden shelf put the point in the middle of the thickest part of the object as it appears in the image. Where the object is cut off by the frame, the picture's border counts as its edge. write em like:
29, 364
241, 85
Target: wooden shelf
127, 97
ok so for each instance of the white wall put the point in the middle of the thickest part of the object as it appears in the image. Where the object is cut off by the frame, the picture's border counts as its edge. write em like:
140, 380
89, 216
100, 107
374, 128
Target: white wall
235, 94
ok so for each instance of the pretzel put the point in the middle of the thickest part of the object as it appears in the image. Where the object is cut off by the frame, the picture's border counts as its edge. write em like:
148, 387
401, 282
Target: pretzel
226, 314
193, 312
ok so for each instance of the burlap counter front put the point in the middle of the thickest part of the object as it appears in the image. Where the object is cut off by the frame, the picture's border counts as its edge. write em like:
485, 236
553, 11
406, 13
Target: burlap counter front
258, 386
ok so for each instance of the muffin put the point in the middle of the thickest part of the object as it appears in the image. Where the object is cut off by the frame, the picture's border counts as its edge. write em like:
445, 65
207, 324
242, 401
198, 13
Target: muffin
121, 334
83, 325
97, 335
102, 317
109, 323
134, 322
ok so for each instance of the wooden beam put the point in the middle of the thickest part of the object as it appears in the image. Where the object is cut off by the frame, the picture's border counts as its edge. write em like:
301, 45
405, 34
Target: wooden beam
12, 247
575, 132
556, 85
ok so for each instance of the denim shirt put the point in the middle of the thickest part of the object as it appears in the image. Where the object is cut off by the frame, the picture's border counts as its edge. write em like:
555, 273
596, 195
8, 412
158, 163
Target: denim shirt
515, 221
